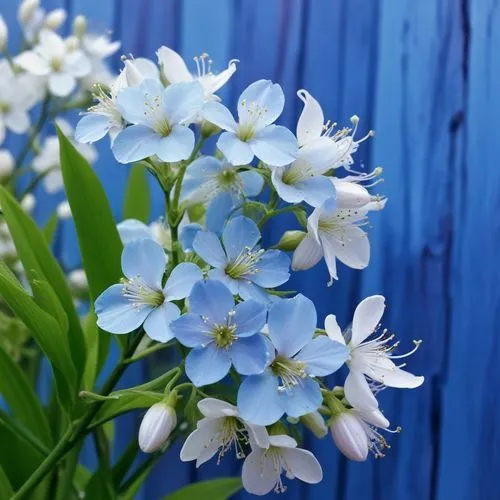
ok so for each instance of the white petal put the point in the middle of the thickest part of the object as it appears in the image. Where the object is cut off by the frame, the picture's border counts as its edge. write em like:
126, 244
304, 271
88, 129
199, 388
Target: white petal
52, 44
33, 63
215, 408
333, 329
61, 84
374, 417
310, 124
201, 440
358, 392
367, 317
350, 437
307, 254
258, 474
397, 378
282, 441
303, 465
173, 66
257, 435
350, 194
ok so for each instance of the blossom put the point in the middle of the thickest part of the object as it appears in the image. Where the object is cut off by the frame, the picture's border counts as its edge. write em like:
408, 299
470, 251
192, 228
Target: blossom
221, 334
334, 233
243, 267
174, 70
207, 176
287, 385
52, 60
6, 164
303, 180
263, 467
159, 117
156, 426
78, 282
370, 358
254, 134
34, 18
140, 299
220, 429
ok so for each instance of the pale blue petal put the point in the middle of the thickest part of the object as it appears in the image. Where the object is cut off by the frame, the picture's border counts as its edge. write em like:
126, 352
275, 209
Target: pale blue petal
219, 115
144, 258
135, 143
268, 96
292, 323
218, 211
181, 280
239, 234
316, 190
182, 101
273, 269
207, 365
303, 398
252, 183
131, 104
91, 128
157, 324
211, 299
249, 318
259, 401
190, 330
249, 355
235, 150
199, 172
220, 275
323, 356
177, 146
133, 229
250, 291
208, 246
116, 314
287, 192
187, 235
275, 145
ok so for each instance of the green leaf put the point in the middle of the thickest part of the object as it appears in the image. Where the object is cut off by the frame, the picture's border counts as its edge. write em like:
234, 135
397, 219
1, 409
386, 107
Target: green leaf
215, 489
46, 298
50, 228
137, 204
36, 256
6, 490
92, 339
22, 400
98, 237
46, 332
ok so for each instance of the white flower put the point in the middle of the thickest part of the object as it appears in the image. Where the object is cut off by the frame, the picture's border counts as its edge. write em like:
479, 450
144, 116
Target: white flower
27, 9
133, 229
63, 210
263, 467
156, 427
54, 19
174, 70
52, 59
335, 234
28, 202
140, 69
355, 433
220, 430
4, 34
6, 164
77, 280
7, 249
370, 358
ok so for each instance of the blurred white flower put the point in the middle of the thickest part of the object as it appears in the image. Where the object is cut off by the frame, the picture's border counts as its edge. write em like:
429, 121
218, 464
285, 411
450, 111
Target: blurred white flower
6, 164
4, 34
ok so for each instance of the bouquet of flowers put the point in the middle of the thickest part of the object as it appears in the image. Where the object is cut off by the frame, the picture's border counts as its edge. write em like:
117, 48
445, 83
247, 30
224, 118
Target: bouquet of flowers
252, 364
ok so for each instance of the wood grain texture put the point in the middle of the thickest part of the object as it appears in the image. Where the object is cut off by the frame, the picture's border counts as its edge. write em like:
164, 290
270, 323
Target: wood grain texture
425, 75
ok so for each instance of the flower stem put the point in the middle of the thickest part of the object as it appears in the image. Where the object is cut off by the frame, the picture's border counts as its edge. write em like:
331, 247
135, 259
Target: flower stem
274, 213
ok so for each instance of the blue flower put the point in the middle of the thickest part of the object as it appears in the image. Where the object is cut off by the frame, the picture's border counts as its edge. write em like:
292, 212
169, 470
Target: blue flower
159, 116
206, 177
239, 263
287, 385
141, 298
221, 334
260, 104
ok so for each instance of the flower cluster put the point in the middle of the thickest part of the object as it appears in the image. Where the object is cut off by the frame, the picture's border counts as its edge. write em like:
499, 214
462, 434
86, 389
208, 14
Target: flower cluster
202, 280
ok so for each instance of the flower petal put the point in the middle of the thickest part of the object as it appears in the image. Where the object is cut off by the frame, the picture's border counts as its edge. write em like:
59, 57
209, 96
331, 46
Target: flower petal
252, 183
135, 143
259, 474
323, 356
333, 329
132, 229
397, 378
17, 121
182, 101
216, 408
188, 234
207, 365
190, 330
201, 442
249, 318
316, 190
208, 246
265, 95
249, 355
212, 83
144, 258
177, 146
307, 254
234, 149
273, 269
264, 390
240, 234
173, 66
91, 128
181, 281
303, 465
358, 392
303, 398
311, 120
132, 106
218, 212
274, 145
32, 62
157, 324
366, 318
292, 323
116, 314
61, 84
353, 249
211, 299
219, 115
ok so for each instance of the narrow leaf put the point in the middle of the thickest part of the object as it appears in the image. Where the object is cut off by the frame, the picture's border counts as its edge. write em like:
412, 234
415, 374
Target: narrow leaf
6, 490
137, 204
215, 489
50, 228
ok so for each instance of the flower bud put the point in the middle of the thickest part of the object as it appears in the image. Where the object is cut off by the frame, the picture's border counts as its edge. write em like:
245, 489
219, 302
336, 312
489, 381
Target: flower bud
290, 240
64, 210
72, 43
315, 423
26, 10
28, 202
350, 194
208, 129
349, 436
156, 426
55, 19
78, 283
4, 34
80, 26
6, 164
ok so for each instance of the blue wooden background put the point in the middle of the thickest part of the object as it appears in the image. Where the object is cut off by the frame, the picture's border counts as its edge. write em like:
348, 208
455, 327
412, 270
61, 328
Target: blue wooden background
425, 74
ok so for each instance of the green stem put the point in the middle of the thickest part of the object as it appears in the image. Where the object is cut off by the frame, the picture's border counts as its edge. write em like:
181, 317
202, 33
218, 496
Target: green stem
147, 352
74, 433
274, 213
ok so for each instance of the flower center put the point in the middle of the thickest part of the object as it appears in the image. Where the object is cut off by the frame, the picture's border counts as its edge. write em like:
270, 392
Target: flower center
245, 263
290, 372
163, 128
56, 64
231, 434
137, 291
203, 65
106, 104
4, 107
279, 464
224, 335
254, 113
227, 178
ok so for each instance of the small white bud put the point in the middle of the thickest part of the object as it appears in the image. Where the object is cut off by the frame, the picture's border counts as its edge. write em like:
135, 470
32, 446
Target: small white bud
72, 43
64, 210
290, 240
28, 202
350, 194
55, 19
349, 436
80, 26
4, 33
26, 10
6, 164
77, 280
156, 426
315, 423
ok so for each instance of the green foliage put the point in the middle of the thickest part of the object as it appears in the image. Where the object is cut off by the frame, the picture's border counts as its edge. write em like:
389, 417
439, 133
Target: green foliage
215, 489
6, 490
137, 205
